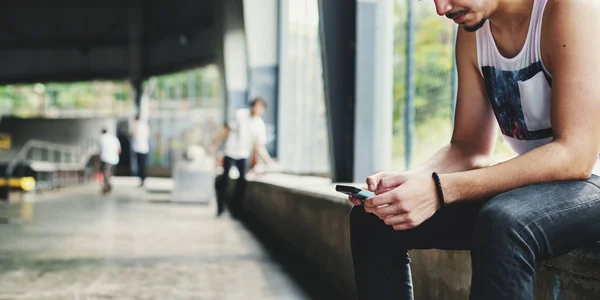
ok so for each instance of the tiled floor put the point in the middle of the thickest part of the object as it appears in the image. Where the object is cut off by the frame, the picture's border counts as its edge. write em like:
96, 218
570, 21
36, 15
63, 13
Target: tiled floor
76, 244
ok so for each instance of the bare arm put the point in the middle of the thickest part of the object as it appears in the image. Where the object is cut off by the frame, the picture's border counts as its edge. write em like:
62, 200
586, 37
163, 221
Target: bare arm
221, 136
264, 154
474, 132
574, 113
573, 45
260, 141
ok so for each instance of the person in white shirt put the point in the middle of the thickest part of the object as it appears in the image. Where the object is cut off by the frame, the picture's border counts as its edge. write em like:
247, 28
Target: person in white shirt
110, 149
140, 135
244, 133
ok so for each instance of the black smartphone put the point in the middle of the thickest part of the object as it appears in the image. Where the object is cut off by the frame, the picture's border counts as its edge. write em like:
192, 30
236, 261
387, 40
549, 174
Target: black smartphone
355, 192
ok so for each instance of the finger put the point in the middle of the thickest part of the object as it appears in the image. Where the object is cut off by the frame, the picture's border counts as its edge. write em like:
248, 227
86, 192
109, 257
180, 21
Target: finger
396, 220
373, 180
388, 210
382, 191
354, 201
369, 209
403, 226
379, 200
391, 182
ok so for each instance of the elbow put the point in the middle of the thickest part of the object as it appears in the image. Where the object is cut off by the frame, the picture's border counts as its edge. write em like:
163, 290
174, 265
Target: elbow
580, 170
579, 163
472, 156
480, 161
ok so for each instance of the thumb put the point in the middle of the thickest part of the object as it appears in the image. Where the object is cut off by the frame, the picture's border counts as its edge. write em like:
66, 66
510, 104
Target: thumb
373, 180
390, 183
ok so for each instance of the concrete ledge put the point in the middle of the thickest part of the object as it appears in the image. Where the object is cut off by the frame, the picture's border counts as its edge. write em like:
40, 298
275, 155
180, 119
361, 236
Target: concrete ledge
307, 216
310, 224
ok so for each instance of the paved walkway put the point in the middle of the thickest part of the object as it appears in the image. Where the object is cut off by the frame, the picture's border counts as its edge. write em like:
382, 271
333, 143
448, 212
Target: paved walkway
76, 244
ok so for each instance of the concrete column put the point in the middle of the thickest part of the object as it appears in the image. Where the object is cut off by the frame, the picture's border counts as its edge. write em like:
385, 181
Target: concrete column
138, 93
235, 57
338, 44
136, 27
374, 88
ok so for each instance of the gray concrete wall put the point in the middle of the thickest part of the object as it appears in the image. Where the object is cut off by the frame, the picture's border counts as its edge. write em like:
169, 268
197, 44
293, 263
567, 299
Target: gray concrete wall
313, 222
311, 225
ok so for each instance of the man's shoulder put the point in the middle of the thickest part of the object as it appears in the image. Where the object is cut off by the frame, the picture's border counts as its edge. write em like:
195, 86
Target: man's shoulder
554, 8
575, 3
561, 18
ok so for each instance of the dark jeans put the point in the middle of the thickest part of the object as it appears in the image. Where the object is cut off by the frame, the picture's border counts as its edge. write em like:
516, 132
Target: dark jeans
235, 203
107, 171
142, 164
506, 236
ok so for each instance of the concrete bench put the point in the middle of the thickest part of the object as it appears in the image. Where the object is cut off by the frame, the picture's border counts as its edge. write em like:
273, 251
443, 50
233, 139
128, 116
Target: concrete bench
310, 219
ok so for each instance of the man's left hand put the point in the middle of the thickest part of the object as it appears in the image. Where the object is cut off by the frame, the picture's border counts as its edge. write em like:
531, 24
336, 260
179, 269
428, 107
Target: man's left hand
408, 205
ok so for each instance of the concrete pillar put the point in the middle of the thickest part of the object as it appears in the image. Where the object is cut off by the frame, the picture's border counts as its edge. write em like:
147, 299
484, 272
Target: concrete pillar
374, 88
338, 44
235, 57
136, 27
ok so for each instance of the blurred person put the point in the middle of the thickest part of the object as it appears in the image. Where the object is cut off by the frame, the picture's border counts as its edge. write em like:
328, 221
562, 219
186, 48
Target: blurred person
539, 84
110, 149
140, 134
244, 134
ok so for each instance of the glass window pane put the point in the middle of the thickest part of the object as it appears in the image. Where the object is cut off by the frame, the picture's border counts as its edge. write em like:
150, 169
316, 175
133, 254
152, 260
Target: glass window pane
434, 42
303, 138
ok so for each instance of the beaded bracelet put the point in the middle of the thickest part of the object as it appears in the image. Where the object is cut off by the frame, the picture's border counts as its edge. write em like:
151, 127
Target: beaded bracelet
438, 188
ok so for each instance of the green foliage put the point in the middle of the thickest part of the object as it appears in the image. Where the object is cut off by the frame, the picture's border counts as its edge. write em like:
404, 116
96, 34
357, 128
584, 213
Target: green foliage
201, 84
177, 85
102, 97
434, 39
434, 43
40, 99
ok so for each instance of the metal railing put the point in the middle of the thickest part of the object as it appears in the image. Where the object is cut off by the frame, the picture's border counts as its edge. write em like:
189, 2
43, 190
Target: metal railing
56, 157
58, 154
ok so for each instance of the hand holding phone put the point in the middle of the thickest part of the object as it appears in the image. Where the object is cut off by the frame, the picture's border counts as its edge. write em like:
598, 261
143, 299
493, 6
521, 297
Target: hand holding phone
354, 192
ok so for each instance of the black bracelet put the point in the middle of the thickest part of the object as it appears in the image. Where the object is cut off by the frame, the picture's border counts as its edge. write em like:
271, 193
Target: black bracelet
438, 188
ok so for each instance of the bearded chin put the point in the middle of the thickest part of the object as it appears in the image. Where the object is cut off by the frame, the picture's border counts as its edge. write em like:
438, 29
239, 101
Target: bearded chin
475, 27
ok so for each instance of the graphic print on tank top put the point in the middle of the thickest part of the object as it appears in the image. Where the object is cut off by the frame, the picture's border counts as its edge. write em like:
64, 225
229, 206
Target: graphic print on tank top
517, 98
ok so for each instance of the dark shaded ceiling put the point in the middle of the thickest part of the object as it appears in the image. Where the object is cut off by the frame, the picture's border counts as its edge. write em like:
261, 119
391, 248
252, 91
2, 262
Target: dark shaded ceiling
69, 40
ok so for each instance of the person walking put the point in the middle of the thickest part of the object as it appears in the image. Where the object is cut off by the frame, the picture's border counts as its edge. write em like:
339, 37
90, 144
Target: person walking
244, 134
140, 135
110, 149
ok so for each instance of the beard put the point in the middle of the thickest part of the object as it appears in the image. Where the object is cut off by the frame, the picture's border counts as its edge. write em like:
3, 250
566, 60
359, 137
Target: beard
475, 27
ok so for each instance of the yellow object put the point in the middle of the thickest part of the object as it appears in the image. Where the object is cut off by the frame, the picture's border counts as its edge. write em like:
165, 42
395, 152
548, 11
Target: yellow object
5, 141
24, 183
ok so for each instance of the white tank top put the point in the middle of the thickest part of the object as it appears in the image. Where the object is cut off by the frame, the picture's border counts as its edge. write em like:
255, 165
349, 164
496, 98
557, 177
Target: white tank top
519, 88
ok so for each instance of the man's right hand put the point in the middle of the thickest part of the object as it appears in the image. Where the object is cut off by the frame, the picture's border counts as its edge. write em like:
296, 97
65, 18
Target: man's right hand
373, 182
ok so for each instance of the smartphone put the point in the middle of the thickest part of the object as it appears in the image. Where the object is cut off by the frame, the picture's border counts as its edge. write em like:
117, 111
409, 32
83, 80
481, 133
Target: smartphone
355, 192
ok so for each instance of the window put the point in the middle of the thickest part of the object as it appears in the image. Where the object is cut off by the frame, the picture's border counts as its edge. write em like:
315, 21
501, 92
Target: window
434, 79
303, 138
183, 109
